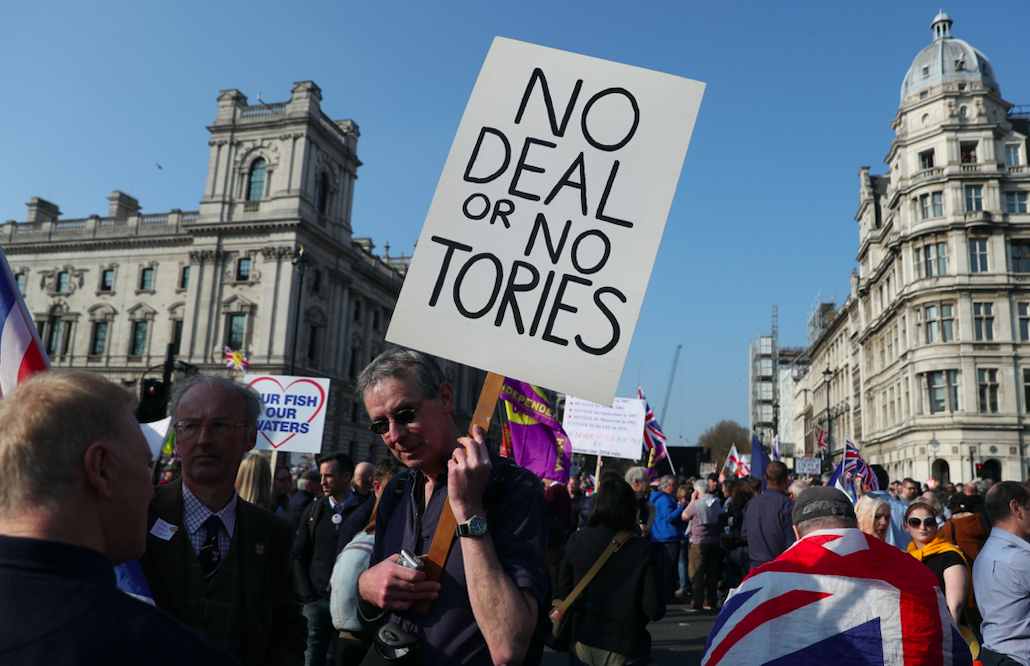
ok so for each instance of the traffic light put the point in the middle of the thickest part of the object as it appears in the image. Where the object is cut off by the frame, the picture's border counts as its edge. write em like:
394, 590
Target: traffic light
152, 398
979, 470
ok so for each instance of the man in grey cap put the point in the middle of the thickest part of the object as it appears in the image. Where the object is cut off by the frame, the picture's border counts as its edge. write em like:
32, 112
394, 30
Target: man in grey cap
837, 591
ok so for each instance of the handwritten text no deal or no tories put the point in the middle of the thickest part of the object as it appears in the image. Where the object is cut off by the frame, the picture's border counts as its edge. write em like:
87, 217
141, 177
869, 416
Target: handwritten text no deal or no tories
526, 291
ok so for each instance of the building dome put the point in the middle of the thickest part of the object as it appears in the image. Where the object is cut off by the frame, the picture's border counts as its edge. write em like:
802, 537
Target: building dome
947, 58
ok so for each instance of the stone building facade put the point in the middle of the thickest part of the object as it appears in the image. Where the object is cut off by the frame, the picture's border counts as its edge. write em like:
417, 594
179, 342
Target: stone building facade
938, 320
267, 266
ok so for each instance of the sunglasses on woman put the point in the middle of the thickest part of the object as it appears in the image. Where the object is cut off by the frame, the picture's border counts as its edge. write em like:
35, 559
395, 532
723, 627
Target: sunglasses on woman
915, 522
403, 417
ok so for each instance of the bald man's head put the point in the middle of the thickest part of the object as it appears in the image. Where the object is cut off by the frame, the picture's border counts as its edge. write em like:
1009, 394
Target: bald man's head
363, 477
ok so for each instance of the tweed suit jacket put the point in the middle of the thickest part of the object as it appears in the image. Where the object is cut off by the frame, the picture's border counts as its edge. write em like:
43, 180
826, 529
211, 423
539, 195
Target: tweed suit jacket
274, 628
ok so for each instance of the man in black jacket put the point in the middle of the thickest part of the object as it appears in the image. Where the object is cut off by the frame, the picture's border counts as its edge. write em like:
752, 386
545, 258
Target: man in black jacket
307, 492
315, 550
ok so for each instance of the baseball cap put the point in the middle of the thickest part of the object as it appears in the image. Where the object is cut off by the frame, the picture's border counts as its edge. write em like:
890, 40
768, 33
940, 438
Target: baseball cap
839, 504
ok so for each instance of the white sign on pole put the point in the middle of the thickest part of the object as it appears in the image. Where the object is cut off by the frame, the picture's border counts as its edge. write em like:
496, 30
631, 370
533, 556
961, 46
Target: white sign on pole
539, 243
292, 412
706, 468
807, 465
616, 431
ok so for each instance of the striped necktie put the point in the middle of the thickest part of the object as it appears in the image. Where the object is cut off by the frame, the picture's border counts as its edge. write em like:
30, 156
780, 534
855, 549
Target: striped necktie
210, 556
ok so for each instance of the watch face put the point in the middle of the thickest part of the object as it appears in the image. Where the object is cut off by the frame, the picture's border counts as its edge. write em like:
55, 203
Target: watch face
477, 525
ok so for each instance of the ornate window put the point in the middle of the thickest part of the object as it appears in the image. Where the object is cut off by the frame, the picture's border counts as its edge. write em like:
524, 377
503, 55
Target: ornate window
978, 255
987, 384
322, 194
256, 180
983, 322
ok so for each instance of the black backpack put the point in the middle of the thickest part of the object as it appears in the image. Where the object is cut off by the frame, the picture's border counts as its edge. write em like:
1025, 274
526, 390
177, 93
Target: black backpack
730, 523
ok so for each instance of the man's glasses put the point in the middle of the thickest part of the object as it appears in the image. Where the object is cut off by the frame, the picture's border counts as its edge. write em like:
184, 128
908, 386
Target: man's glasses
914, 523
215, 427
403, 417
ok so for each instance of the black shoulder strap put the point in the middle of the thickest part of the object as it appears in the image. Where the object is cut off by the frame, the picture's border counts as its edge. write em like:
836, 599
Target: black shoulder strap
494, 493
388, 502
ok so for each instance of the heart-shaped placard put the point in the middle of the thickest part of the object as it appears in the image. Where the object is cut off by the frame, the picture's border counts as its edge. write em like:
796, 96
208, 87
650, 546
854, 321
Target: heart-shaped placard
271, 387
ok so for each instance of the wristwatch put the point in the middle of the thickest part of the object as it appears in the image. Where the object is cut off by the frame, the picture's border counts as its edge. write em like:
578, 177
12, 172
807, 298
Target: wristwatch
475, 526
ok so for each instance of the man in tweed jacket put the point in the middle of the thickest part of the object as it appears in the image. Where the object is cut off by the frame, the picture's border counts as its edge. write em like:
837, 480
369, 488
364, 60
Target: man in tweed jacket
214, 561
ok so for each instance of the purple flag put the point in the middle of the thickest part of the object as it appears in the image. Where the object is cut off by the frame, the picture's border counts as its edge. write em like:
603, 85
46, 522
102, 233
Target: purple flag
539, 442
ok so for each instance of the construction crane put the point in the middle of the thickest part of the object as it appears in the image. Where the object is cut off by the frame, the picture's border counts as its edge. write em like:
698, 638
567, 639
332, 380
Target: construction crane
668, 390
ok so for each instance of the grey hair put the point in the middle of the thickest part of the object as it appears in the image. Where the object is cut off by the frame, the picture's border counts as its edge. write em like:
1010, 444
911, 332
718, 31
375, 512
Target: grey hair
250, 397
798, 486
666, 480
401, 363
701, 486
636, 474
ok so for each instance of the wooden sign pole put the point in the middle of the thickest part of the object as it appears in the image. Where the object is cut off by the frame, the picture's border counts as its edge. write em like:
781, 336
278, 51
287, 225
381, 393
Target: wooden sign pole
448, 524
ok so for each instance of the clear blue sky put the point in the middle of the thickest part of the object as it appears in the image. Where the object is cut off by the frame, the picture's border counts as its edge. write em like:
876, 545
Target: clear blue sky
798, 98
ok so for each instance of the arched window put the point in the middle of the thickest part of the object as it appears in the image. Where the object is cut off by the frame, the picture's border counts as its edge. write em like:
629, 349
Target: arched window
256, 186
322, 198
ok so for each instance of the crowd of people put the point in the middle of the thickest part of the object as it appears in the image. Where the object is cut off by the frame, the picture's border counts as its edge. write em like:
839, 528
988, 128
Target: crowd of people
446, 553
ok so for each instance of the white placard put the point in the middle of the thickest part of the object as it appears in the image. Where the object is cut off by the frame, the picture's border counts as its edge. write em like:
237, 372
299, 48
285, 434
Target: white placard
807, 465
292, 412
539, 243
706, 468
616, 431
156, 434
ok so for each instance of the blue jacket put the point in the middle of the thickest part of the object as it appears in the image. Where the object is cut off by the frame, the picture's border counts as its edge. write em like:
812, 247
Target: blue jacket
668, 525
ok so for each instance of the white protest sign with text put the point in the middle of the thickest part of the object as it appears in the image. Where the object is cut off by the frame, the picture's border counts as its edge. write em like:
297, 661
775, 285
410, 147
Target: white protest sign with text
616, 431
292, 412
539, 243
804, 465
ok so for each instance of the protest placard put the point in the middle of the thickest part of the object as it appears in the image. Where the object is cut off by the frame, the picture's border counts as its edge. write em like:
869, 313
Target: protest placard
292, 412
616, 431
805, 465
539, 243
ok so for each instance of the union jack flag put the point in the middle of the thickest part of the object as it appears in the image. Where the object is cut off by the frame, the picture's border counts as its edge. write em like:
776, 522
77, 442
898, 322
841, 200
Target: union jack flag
21, 352
234, 360
822, 440
654, 439
853, 466
837, 597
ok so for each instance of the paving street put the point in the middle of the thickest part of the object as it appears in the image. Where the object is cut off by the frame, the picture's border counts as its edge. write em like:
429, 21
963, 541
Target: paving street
677, 640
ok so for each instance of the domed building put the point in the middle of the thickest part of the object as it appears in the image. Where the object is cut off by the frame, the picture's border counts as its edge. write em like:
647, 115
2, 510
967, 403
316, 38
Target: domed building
937, 379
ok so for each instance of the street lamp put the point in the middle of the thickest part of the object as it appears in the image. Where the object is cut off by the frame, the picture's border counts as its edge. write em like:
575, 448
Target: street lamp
299, 262
827, 376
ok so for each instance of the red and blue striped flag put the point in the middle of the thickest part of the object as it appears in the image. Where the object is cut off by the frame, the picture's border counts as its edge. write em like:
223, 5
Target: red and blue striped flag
837, 597
21, 352
654, 439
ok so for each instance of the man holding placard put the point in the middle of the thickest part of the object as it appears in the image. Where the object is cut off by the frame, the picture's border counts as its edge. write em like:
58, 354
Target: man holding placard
494, 577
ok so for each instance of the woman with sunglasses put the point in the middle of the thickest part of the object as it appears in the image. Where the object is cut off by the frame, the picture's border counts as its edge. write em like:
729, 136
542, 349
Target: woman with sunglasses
943, 558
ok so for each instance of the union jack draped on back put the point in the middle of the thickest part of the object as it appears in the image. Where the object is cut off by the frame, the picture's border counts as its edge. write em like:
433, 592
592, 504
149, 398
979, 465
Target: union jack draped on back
854, 466
837, 597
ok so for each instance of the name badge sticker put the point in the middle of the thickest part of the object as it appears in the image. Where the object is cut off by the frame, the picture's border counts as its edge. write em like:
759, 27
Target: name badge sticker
163, 530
